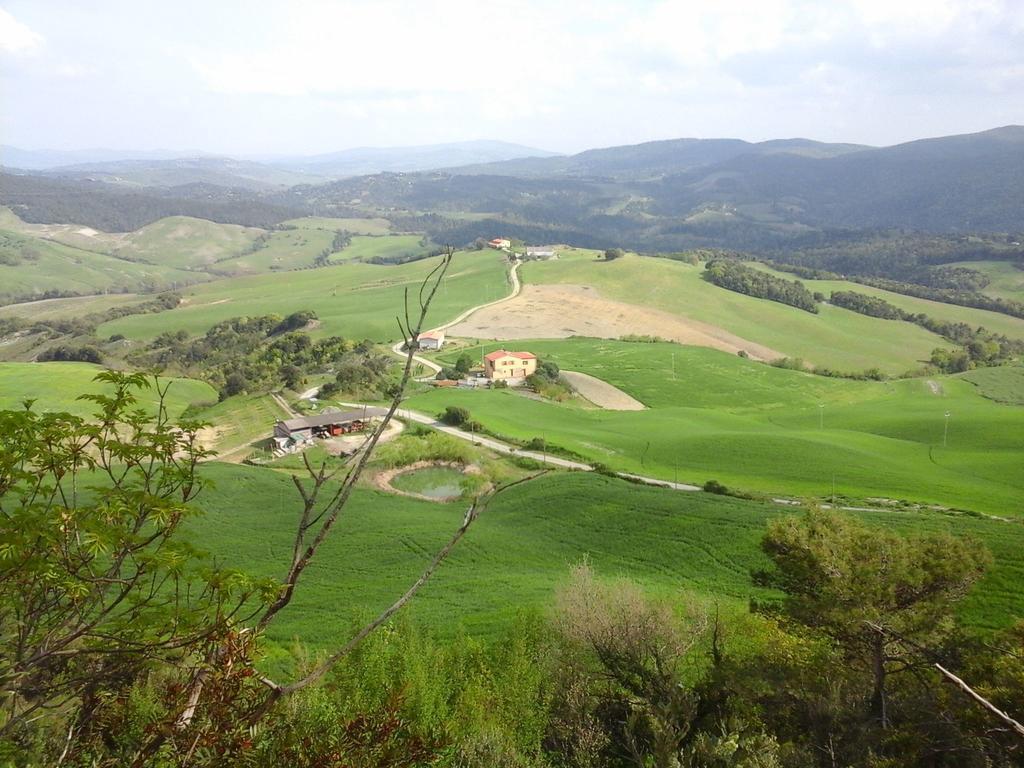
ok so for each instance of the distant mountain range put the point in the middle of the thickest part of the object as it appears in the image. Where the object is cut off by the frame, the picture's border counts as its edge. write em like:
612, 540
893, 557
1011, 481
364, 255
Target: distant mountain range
363, 161
165, 168
661, 195
686, 190
654, 159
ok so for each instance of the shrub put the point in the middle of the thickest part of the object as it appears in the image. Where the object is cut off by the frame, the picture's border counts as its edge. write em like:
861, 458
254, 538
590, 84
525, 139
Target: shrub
713, 486
432, 446
455, 416
64, 353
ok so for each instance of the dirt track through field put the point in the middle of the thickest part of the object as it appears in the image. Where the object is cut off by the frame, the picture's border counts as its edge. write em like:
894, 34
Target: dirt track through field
561, 311
601, 393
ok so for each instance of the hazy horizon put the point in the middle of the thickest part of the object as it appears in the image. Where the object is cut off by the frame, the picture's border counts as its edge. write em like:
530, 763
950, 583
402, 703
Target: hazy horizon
311, 77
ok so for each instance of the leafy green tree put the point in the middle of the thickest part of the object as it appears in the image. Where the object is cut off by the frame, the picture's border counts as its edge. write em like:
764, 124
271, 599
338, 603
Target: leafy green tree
292, 376
613, 253
97, 587
871, 591
464, 363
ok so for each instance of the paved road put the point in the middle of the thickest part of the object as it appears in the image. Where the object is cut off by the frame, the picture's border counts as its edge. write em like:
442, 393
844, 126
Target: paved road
510, 450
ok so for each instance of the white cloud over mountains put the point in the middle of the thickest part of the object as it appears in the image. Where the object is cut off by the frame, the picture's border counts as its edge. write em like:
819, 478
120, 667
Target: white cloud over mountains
565, 75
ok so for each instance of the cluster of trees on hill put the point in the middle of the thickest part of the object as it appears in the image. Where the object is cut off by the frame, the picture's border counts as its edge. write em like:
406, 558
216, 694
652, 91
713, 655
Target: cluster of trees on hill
549, 382
341, 240
252, 354
64, 353
736, 276
121, 645
977, 345
963, 298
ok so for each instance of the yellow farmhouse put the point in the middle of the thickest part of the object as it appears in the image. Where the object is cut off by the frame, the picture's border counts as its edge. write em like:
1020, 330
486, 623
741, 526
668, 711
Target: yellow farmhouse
502, 364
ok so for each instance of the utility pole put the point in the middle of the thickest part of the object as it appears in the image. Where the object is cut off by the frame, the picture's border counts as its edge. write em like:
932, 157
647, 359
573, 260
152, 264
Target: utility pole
945, 430
821, 415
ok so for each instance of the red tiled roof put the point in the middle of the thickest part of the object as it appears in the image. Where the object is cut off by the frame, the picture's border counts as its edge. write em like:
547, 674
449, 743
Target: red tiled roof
431, 335
500, 353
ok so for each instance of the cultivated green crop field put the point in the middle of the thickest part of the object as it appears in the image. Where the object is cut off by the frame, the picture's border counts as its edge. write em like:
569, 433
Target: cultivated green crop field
760, 428
836, 337
56, 387
522, 547
1004, 384
354, 300
993, 321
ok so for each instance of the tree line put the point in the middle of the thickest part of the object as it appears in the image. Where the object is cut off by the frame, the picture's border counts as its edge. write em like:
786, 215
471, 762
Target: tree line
736, 276
977, 346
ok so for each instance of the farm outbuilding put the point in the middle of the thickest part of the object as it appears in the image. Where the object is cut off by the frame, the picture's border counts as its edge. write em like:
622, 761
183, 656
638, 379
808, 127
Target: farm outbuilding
289, 432
431, 339
539, 253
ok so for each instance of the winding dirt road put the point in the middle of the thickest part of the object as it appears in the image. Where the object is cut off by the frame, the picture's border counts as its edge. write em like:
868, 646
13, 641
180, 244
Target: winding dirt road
430, 364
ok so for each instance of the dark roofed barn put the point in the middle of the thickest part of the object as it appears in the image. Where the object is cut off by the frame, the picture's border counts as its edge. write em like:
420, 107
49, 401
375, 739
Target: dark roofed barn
325, 424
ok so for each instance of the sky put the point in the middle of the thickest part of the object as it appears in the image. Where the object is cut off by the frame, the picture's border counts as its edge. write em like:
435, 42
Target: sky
310, 76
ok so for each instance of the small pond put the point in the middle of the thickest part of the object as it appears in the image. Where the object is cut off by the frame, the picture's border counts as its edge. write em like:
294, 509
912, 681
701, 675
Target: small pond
435, 482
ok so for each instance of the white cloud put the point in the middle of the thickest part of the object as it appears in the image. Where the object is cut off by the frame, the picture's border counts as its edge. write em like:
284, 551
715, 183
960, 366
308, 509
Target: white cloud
15, 37
394, 47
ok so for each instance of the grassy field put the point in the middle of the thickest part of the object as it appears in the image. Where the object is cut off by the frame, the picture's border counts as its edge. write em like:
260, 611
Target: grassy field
760, 428
1007, 280
186, 243
374, 226
1004, 384
365, 248
353, 300
836, 337
994, 321
287, 249
32, 266
56, 387
523, 546
74, 307
84, 238
240, 422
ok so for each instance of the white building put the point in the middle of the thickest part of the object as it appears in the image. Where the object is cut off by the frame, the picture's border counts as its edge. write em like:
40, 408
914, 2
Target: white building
540, 252
431, 339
